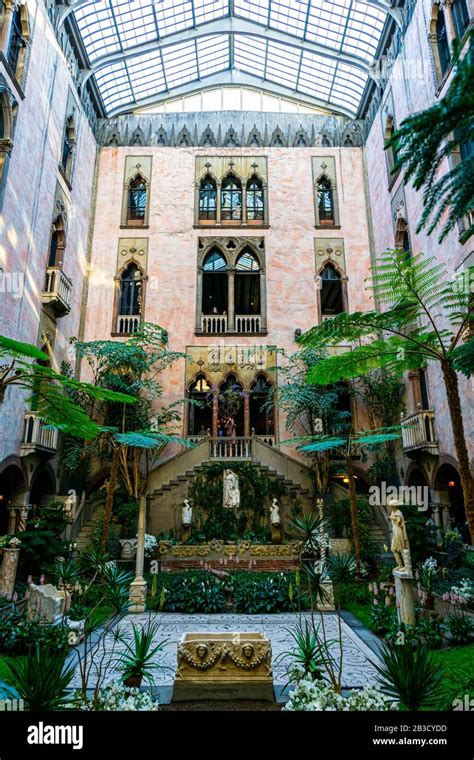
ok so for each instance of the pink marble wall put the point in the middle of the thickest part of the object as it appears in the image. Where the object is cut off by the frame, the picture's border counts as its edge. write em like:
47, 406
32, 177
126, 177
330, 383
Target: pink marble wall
172, 256
413, 88
27, 214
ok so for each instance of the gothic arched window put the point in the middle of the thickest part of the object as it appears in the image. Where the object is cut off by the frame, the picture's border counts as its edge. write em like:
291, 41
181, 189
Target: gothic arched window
231, 199
262, 411
208, 199
200, 412
136, 207
331, 292
16, 41
130, 300
442, 42
325, 202
247, 284
460, 17
214, 285
57, 243
69, 139
255, 200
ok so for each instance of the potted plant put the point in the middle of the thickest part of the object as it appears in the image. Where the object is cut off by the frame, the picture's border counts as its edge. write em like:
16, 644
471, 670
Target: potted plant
426, 575
137, 660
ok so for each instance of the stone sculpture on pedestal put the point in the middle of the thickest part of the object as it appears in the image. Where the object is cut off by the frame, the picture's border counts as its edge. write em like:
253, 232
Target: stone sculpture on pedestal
187, 520
275, 523
231, 490
402, 574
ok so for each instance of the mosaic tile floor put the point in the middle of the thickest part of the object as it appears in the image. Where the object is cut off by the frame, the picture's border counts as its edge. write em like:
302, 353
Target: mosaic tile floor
358, 658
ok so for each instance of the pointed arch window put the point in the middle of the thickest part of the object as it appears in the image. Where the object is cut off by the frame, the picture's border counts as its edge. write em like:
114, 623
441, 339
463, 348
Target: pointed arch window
16, 42
130, 300
390, 152
136, 207
57, 243
325, 193
460, 17
199, 412
442, 42
255, 200
208, 199
332, 301
262, 412
67, 153
247, 286
231, 199
215, 294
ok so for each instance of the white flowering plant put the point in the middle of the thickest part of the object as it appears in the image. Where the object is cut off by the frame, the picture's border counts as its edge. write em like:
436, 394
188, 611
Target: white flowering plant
462, 594
314, 696
150, 545
115, 697
427, 573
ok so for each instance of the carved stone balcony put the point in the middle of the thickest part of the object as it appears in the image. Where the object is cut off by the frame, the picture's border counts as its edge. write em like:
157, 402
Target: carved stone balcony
57, 291
218, 324
127, 324
38, 438
418, 432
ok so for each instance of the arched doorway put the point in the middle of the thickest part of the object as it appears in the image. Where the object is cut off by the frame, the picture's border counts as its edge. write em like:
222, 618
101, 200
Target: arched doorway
199, 412
262, 414
11, 482
448, 482
42, 491
231, 408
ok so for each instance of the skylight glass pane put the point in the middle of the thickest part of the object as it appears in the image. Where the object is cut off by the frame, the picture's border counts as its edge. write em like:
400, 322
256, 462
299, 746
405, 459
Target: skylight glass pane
257, 10
96, 24
207, 10
135, 21
289, 16
283, 64
316, 75
146, 75
213, 54
173, 15
114, 85
180, 64
250, 54
327, 21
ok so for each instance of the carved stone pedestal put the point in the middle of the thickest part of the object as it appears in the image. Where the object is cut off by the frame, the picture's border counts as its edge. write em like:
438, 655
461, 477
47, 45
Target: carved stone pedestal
185, 534
404, 597
8, 570
223, 666
327, 604
137, 596
46, 604
277, 534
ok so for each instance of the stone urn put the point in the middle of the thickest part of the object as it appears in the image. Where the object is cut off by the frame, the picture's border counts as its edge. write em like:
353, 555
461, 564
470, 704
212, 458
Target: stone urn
128, 548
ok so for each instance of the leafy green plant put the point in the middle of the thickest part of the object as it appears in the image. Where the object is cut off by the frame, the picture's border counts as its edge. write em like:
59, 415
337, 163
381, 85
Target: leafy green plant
308, 655
410, 674
311, 530
460, 628
42, 540
341, 568
353, 591
137, 661
266, 595
340, 521
454, 547
42, 680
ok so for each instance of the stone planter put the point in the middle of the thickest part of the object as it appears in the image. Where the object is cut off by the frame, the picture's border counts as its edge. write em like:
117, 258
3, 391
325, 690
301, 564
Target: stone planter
128, 548
133, 682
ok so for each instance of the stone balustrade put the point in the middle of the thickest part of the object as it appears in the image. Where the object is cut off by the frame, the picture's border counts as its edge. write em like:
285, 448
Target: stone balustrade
57, 290
127, 324
418, 431
38, 435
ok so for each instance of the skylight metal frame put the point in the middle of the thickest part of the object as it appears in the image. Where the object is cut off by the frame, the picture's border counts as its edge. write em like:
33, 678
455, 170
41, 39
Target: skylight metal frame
331, 36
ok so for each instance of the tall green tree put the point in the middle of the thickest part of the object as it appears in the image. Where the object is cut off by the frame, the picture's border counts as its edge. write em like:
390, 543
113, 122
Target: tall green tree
310, 409
425, 319
54, 394
426, 140
345, 446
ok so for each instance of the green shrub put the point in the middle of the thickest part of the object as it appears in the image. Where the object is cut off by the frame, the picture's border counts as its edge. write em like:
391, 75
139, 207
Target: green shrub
339, 516
454, 547
269, 594
460, 628
410, 674
42, 541
355, 591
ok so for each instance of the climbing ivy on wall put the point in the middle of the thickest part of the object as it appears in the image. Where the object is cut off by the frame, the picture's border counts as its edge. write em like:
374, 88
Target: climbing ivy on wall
250, 521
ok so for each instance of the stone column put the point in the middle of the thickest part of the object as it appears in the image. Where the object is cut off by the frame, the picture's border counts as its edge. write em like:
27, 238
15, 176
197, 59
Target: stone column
231, 300
215, 416
8, 570
266, 215
263, 299
5, 31
437, 521
199, 279
12, 520
244, 204
218, 204
404, 596
23, 518
447, 6
246, 416
137, 594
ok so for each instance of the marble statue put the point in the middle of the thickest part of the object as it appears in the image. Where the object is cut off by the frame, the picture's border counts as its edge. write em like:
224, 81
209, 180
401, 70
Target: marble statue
187, 514
400, 545
231, 490
275, 518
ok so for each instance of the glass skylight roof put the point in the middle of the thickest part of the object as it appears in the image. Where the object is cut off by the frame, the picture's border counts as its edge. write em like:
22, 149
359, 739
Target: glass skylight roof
141, 50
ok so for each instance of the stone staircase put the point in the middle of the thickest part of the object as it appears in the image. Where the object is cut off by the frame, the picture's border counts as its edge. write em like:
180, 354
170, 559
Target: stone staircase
84, 537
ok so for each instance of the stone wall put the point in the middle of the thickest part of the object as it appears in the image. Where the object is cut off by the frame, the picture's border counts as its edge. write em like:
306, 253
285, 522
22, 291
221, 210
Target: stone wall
413, 86
33, 187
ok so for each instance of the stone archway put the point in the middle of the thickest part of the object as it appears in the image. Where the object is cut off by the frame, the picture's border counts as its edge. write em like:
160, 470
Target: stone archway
447, 484
12, 488
43, 489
